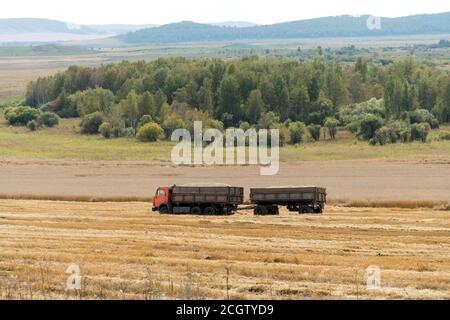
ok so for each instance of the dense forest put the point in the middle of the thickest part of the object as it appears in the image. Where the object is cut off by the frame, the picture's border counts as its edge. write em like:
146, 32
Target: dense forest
379, 103
339, 26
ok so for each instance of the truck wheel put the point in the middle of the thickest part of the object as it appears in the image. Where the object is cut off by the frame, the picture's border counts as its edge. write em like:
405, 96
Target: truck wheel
305, 209
196, 210
210, 211
164, 210
261, 211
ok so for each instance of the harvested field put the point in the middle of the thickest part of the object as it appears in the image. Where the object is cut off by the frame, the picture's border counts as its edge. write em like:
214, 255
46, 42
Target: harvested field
127, 252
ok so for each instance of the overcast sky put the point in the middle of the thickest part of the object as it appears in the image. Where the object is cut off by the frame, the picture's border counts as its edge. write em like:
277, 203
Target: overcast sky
167, 11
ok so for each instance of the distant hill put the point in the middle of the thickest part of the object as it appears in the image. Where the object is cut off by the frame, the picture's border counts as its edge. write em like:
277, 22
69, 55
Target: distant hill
339, 26
44, 30
26, 25
235, 24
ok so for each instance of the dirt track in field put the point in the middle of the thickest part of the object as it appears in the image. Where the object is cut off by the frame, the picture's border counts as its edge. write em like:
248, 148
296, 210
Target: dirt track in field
127, 252
352, 180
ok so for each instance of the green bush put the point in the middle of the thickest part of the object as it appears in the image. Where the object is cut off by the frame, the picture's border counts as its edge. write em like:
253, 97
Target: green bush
297, 132
105, 130
369, 126
144, 120
171, 123
32, 125
314, 131
20, 116
150, 132
423, 115
48, 119
331, 124
91, 123
420, 131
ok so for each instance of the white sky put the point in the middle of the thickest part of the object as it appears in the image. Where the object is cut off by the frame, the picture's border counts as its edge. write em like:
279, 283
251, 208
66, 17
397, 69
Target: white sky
167, 11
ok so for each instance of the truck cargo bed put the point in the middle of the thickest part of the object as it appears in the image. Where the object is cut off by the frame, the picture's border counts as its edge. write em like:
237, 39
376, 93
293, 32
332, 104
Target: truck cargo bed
210, 195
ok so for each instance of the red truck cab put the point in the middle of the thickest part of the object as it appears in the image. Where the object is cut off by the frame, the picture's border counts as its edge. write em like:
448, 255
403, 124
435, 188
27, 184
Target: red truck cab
162, 197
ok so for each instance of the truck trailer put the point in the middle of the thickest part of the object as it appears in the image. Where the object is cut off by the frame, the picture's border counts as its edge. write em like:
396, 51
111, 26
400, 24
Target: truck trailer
208, 200
297, 199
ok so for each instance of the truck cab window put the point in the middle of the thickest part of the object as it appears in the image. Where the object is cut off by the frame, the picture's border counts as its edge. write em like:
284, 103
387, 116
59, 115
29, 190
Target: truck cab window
161, 193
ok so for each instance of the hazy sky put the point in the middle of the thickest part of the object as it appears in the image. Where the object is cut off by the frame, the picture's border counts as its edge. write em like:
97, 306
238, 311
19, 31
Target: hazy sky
166, 11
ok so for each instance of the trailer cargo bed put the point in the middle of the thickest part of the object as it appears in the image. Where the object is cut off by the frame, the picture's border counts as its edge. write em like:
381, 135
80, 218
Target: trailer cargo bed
301, 199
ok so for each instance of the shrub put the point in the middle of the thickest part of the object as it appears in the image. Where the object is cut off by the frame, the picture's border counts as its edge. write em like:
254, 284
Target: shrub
20, 116
369, 126
91, 122
48, 119
32, 125
171, 123
444, 136
423, 115
331, 124
297, 132
150, 132
144, 120
284, 135
314, 131
127, 132
420, 131
105, 130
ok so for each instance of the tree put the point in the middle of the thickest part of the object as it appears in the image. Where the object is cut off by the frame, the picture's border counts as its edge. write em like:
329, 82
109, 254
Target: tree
150, 132
369, 125
268, 120
91, 122
297, 132
93, 100
314, 131
331, 124
255, 106
105, 130
229, 98
130, 109
299, 104
420, 131
147, 105
361, 68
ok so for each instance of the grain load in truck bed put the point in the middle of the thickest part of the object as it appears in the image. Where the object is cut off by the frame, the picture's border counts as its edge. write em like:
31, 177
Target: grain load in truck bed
210, 194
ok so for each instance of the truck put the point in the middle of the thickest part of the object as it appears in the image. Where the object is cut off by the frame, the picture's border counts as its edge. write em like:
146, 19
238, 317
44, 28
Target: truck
207, 200
297, 199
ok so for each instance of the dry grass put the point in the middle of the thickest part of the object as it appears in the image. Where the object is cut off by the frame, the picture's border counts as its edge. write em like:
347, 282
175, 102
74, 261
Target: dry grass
127, 252
405, 204
345, 203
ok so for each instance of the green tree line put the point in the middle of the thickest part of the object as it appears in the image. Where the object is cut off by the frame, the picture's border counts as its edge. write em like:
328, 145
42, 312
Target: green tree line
230, 93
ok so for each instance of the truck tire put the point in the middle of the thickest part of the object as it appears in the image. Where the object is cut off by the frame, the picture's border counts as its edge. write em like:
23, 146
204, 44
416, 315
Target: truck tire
210, 211
261, 211
196, 210
164, 210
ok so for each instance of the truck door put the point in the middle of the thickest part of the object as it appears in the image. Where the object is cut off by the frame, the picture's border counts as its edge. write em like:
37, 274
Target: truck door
160, 198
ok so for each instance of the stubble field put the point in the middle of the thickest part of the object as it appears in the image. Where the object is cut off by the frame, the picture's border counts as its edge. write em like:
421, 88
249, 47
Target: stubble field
127, 252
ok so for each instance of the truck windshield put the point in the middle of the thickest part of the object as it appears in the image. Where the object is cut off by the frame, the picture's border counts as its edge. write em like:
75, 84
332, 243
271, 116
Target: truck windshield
160, 193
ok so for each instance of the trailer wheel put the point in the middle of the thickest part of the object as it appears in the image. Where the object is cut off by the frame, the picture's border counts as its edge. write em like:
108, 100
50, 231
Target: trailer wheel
319, 209
305, 209
210, 211
261, 211
196, 210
